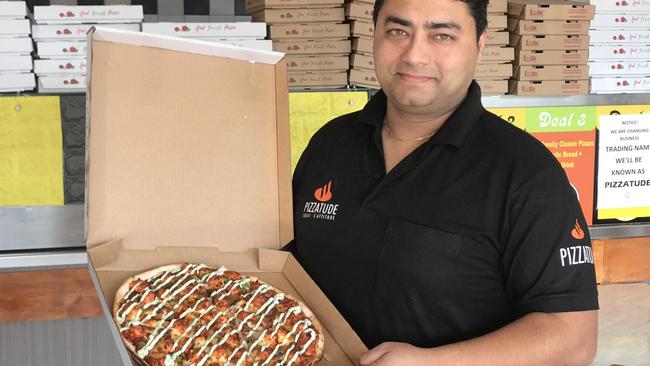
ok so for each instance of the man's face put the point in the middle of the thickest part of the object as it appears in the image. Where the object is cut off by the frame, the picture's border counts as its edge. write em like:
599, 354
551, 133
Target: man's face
426, 53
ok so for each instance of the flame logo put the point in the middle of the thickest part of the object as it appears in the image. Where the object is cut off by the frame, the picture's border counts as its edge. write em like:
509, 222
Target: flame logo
324, 193
577, 232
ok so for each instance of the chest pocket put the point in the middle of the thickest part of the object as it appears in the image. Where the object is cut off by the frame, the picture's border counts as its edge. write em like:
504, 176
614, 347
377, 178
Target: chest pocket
416, 266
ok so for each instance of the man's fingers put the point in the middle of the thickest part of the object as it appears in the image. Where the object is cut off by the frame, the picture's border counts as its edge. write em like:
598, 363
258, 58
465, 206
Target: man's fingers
373, 355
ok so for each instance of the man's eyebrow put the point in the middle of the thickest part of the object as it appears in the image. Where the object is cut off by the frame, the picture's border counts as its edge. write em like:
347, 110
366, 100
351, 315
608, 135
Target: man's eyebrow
398, 20
444, 25
431, 25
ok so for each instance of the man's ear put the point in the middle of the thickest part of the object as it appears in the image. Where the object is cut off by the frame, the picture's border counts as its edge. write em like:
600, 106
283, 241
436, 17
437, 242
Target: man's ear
481, 44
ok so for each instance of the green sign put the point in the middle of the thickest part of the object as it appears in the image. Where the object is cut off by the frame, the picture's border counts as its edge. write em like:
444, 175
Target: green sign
560, 119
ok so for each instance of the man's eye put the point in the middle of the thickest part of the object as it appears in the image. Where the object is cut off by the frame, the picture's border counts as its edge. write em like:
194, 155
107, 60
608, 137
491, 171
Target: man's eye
397, 33
443, 37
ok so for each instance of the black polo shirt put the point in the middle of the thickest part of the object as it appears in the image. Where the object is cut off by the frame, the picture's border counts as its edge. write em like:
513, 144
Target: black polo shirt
475, 228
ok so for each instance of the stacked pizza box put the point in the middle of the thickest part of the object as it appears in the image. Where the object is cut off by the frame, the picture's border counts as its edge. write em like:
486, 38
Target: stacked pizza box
60, 36
619, 51
551, 46
312, 35
362, 29
243, 34
15, 48
495, 68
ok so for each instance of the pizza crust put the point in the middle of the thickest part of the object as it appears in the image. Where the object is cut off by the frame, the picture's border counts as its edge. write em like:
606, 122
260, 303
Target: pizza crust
124, 288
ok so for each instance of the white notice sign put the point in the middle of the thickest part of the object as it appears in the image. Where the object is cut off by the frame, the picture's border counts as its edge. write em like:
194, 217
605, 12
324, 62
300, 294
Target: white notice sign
624, 165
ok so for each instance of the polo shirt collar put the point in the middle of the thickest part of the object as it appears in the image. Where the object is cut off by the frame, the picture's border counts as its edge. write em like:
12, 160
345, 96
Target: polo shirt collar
453, 132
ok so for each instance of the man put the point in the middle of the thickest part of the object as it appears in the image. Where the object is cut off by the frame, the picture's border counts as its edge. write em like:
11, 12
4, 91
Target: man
444, 235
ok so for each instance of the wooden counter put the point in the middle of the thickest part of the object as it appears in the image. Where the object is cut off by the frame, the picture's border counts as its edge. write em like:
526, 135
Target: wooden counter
69, 293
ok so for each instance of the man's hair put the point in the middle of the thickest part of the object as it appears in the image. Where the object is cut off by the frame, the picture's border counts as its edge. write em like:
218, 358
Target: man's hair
477, 8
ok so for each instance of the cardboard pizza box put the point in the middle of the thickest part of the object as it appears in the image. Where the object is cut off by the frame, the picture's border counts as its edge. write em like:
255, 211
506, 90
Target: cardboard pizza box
359, 28
312, 47
13, 9
548, 27
359, 11
620, 36
318, 79
543, 43
493, 71
364, 78
621, 21
71, 66
309, 31
552, 72
65, 14
497, 21
362, 45
619, 68
62, 83
493, 87
17, 82
61, 49
58, 32
212, 183
626, 84
15, 28
622, 6
15, 63
317, 63
554, 57
498, 54
221, 30
16, 46
497, 6
303, 15
496, 38
619, 52
550, 10
548, 87
360, 61
255, 5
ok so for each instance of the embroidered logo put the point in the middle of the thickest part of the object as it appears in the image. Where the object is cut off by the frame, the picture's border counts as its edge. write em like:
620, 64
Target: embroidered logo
324, 193
321, 209
576, 254
577, 232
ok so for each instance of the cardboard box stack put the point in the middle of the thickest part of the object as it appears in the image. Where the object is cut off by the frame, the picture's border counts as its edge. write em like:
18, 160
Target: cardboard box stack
312, 35
551, 46
362, 29
15, 48
244, 34
619, 51
60, 36
496, 63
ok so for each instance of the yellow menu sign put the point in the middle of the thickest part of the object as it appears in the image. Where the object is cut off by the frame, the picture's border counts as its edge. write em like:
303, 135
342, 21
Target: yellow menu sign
31, 151
309, 111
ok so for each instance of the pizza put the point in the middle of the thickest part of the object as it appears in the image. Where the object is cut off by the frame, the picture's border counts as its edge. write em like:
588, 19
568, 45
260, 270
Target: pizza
193, 314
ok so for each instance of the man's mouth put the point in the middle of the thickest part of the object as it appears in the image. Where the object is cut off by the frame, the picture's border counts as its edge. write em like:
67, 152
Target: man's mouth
414, 78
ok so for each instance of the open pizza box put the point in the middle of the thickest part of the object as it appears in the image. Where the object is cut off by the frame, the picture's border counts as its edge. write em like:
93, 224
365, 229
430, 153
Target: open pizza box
188, 160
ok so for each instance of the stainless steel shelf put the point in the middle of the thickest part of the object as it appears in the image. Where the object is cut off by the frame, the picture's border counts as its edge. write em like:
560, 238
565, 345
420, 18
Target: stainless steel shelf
41, 227
510, 101
61, 227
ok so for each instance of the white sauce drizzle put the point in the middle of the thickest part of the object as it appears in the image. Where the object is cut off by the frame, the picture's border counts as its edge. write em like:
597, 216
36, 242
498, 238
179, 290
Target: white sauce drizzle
156, 335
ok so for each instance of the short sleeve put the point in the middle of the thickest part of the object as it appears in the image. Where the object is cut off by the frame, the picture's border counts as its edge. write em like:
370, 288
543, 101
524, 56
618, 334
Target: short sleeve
548, 260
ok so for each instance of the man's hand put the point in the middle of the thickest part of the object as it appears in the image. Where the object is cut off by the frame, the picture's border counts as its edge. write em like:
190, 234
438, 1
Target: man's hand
536, 339
395, 354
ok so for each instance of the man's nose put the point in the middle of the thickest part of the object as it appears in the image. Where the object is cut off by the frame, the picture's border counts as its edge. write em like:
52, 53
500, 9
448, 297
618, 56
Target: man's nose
417, 50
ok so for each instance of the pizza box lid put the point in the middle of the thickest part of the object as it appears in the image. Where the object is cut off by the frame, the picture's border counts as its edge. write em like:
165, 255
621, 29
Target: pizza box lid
550, 9
13, 9
186, 156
